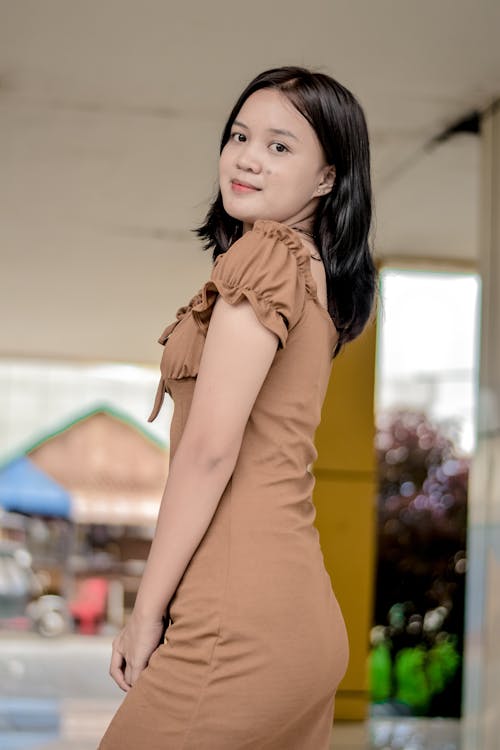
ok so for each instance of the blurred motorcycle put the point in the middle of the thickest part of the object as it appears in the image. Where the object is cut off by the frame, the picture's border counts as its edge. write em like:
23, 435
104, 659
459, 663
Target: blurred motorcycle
23, 606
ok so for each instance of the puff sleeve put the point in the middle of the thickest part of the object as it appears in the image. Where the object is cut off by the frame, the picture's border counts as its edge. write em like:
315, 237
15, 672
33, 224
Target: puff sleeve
266, 266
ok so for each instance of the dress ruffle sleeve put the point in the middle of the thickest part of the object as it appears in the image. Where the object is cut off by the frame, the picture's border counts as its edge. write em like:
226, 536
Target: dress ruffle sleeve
266, 266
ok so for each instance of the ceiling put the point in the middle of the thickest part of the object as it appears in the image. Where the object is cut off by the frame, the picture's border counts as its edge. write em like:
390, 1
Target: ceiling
110, 118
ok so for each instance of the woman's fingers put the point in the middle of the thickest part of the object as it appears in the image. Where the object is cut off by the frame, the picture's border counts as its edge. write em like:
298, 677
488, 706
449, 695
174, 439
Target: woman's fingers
131, 651
116, 669
132, 672
128, 675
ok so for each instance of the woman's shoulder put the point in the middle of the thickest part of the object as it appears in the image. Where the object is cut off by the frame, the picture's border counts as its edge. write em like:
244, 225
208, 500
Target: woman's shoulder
284, 232
267, 250
276, 232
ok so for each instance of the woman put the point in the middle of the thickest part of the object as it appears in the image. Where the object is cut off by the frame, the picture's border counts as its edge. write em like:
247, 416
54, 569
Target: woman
256, 644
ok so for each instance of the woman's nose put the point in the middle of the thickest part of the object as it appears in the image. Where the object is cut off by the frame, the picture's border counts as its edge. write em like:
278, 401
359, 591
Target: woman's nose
248, 159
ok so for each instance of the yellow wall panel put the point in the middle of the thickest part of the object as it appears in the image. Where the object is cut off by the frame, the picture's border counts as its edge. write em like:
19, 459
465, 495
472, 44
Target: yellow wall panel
346, 518
345, 499
345, 436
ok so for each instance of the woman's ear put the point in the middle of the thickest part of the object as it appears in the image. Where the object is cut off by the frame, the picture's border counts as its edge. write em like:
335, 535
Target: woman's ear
327, 181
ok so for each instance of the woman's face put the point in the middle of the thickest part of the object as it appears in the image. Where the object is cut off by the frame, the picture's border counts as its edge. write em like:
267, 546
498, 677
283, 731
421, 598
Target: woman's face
288, 169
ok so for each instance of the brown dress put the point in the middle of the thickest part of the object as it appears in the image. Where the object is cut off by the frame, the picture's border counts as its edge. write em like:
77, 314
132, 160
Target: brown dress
256, 644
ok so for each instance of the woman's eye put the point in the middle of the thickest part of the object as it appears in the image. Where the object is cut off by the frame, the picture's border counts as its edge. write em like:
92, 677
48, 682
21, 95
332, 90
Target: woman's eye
234, 136
281, 146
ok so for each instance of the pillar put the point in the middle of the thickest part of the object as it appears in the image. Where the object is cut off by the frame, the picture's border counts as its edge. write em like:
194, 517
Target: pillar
481, 724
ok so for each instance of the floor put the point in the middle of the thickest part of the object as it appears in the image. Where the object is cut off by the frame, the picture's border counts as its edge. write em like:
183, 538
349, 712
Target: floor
398, 734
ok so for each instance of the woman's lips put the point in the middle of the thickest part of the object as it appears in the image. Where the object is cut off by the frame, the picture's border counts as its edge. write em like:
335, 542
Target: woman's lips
239, 188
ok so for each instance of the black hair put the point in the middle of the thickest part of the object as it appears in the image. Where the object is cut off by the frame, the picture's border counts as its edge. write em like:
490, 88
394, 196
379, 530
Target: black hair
343, 217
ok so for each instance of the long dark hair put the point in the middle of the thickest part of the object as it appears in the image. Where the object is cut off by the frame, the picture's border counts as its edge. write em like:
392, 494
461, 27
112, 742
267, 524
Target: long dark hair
343, 217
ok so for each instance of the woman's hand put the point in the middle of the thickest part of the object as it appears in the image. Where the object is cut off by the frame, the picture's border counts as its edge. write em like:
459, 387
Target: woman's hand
132, 648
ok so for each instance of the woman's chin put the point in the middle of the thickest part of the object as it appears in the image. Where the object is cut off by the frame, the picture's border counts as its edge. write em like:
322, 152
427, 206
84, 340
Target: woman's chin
239, 215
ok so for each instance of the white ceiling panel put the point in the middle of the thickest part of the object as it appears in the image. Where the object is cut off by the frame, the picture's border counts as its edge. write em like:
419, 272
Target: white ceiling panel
110, 119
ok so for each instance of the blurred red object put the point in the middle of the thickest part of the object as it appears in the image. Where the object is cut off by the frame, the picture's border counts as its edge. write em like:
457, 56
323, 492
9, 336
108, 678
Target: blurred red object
88, 608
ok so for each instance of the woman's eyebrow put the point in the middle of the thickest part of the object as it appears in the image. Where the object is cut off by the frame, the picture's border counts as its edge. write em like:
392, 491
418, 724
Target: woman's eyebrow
278, 131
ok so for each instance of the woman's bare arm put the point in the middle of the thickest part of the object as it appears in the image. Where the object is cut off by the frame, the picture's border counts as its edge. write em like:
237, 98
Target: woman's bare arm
237, 355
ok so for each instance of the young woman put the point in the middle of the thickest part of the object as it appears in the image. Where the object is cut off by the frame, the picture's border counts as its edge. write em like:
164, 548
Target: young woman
256, 644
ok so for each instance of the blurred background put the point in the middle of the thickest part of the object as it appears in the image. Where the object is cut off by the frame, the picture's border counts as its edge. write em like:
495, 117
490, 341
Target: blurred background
110, 118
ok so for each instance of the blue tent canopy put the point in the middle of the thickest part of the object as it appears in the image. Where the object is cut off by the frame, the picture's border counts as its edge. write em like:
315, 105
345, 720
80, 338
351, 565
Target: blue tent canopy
26, 489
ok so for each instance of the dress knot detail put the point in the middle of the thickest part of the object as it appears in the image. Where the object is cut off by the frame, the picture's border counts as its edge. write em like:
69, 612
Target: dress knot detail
163, 338
159, 397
